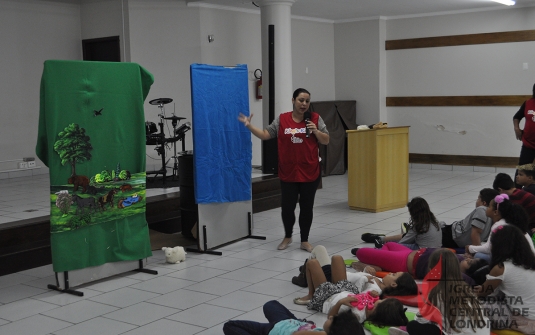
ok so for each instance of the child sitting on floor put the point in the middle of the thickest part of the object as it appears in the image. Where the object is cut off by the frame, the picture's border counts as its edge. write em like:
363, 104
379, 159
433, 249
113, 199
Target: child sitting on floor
423, 230
526, 177
448, 304
513, 273
475, 228
503, 183
502, 211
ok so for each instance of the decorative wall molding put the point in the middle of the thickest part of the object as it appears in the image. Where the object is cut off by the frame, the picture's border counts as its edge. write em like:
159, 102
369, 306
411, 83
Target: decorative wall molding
455, 40
474, 100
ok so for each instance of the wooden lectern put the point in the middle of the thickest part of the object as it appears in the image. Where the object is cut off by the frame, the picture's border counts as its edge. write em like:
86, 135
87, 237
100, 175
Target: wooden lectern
378, 169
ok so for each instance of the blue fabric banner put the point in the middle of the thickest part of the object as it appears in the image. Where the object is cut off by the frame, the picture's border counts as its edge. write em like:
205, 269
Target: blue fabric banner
222, 148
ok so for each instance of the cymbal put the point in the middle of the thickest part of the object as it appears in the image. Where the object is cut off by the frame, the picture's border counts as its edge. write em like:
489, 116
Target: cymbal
175, 118
160, 101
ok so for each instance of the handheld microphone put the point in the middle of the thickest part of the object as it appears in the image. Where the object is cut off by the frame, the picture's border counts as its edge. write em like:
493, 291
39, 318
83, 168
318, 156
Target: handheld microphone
307, 116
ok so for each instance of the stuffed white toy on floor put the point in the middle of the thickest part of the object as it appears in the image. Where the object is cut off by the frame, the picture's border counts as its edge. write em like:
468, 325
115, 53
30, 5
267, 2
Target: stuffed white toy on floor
174, 255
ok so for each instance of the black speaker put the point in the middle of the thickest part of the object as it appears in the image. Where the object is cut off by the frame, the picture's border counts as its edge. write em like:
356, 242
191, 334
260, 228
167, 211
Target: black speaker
270, 159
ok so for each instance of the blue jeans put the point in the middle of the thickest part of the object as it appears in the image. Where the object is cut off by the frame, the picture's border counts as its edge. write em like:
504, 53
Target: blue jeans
274, 312
482, 256
411, 246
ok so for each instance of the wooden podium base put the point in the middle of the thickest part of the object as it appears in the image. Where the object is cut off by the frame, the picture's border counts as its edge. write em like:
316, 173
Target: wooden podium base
378, 169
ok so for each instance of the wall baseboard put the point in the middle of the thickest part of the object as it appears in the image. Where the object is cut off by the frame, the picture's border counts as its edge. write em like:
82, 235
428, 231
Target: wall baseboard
490, 161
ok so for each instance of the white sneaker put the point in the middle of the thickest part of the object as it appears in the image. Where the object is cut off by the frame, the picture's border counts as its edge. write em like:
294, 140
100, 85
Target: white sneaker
396, 331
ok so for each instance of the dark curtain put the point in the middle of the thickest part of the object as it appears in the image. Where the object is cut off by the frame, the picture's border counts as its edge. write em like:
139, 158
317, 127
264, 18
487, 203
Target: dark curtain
339, 116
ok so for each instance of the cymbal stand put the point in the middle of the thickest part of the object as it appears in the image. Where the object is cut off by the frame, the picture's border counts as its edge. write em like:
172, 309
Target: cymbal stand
160, 149
175, 157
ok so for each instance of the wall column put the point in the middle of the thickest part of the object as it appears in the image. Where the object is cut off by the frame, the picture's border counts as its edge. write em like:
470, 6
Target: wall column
277, 13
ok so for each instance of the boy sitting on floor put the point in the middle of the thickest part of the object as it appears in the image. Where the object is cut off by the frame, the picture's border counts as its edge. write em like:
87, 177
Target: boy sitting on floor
526, 177
475, 228
504, 184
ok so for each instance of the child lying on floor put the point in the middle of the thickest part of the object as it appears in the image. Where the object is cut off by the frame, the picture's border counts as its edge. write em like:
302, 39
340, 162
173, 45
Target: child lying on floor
282, 322
359, 296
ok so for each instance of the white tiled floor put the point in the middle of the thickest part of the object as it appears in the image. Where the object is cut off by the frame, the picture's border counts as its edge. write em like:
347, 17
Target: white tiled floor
199, 295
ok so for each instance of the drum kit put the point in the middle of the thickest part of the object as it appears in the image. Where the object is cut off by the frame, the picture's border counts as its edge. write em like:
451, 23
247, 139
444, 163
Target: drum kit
153, 137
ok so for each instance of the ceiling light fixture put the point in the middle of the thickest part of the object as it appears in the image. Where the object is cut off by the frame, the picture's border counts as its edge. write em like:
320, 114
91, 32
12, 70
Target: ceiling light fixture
506, 2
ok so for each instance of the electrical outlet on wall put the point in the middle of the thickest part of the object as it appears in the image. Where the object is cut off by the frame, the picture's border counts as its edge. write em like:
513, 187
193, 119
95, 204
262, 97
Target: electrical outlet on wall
31, 164
23, 165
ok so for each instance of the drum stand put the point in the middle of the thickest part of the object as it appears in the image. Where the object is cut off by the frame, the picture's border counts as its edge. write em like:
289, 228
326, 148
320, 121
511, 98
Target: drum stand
160, 149
162, 141
175, 157
174, 138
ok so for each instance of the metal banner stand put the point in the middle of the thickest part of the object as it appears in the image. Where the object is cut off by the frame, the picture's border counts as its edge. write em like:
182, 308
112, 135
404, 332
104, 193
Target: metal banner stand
68, 290
250, 218
218, 253
205, 243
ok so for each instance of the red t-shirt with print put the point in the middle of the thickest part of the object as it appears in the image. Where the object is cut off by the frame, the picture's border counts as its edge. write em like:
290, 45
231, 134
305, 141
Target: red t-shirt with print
528, 136
298, 155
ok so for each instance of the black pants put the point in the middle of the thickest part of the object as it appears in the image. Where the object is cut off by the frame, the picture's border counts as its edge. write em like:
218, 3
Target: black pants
447, 238
527, 155
291, 193
274, 312
417, 328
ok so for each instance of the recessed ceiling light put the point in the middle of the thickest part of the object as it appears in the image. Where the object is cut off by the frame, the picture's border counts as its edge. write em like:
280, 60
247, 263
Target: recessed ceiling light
506, 2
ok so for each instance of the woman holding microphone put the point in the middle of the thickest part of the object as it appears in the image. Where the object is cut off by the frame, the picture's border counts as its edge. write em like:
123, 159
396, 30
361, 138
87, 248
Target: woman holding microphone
298, 134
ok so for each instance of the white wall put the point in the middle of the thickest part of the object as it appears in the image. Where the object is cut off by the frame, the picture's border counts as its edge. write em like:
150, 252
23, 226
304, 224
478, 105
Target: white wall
490, 69
163, 36
344, 60
31, 32
164, 39
237, 41
167, 37
357, 66
313, 48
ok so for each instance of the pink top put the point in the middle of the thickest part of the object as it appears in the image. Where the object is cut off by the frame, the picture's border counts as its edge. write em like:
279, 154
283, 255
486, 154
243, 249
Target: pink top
364, 300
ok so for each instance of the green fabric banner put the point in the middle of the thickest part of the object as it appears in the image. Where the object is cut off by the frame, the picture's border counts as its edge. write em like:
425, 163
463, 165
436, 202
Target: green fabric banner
92, 138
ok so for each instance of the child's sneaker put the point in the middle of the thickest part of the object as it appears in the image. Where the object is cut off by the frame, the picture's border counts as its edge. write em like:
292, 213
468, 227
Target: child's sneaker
369, 237
300, 280
378, 243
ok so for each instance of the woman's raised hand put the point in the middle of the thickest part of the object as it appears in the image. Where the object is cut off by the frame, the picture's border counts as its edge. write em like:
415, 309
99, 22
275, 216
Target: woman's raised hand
246, 120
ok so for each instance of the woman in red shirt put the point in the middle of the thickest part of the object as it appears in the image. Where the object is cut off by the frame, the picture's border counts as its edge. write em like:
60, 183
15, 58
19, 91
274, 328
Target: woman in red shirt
299, 134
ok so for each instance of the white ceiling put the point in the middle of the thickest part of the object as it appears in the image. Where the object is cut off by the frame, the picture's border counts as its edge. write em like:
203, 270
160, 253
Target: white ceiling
338, 10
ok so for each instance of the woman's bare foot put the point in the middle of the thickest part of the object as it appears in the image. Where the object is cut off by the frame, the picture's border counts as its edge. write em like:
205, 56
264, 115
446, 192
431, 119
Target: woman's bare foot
306, 246
284, 244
